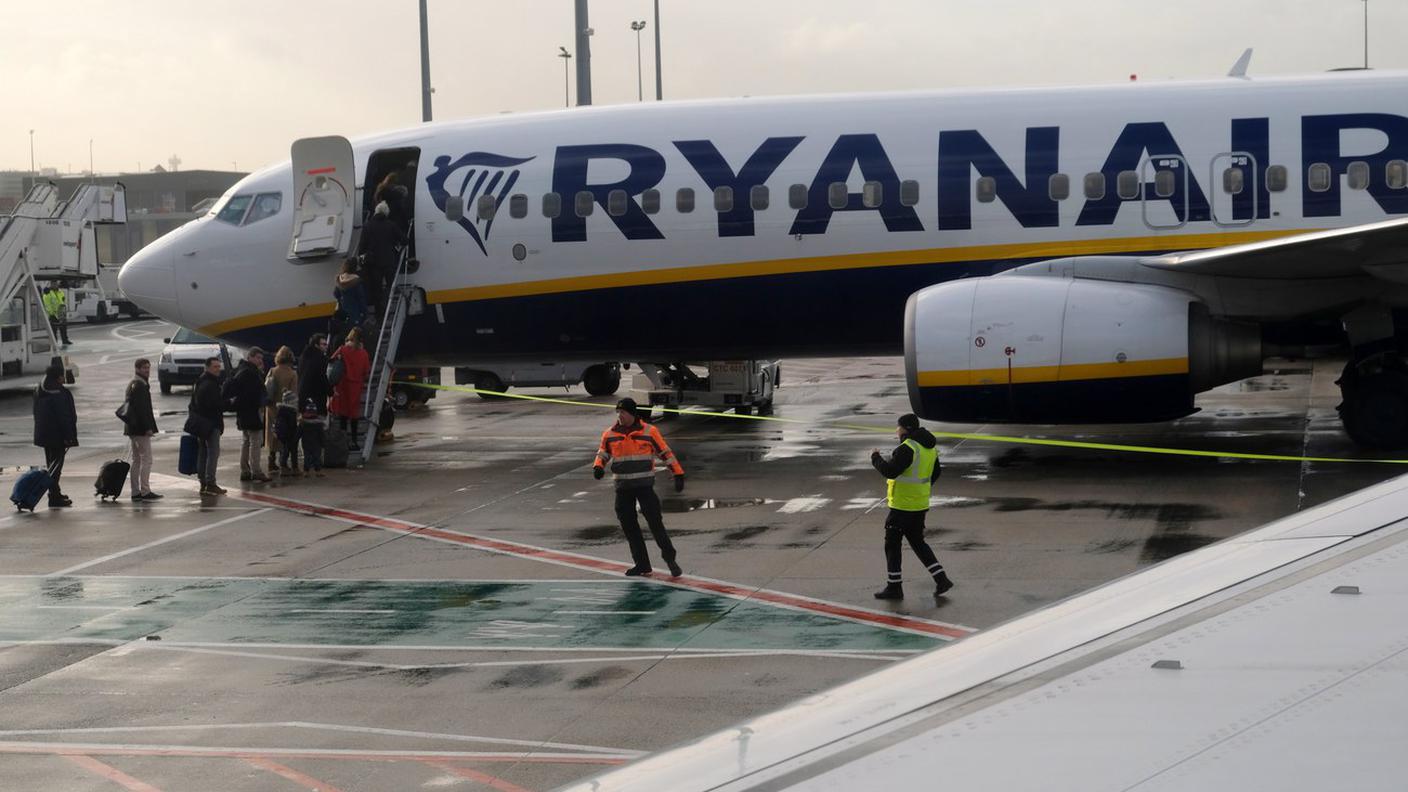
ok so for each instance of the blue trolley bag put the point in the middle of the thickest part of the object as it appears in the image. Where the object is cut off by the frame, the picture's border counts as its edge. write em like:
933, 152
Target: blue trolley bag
31, 488
190, 453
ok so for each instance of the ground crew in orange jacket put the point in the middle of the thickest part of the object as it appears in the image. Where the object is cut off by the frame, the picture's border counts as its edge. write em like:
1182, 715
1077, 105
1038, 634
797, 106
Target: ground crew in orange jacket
631, 447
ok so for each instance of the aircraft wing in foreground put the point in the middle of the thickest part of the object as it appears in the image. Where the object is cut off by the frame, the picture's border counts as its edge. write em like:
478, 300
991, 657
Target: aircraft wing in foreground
1277, 659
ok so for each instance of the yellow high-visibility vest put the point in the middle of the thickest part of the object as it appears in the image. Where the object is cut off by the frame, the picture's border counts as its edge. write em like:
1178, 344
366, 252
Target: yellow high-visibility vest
910, 490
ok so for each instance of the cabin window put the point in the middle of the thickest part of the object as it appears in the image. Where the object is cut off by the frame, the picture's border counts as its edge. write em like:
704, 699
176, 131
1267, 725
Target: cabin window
758, 197
1233, 181
487, 206
518, 206
872, 194
1358, 175
909, 192
650, 201
1396, 175
838, 195
584, 202
1165, 182
1318, 179
723, 199
684, 200
1059, 187
1276, 178
233, 210
616, 203
986, 189
1127, 185
552, 205
265, 205
797, 196
1094, 186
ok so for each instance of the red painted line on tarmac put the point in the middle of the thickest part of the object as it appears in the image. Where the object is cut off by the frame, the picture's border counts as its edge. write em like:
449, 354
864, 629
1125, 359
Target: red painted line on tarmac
296, 777
484, 778
83, 755
578, 561
110, 773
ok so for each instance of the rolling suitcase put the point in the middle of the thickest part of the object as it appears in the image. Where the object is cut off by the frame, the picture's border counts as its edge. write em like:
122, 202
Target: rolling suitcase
112, 476
335, 451
190, 453
31, 488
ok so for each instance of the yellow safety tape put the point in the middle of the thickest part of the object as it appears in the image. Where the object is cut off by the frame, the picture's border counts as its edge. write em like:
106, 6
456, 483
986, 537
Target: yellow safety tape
1035, 441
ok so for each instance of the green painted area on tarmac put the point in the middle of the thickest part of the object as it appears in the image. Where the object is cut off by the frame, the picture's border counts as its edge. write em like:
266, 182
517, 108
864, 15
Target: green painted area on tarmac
527, 614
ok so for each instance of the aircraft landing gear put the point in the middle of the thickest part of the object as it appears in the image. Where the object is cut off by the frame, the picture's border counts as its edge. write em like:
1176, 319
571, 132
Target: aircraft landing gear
1374, 408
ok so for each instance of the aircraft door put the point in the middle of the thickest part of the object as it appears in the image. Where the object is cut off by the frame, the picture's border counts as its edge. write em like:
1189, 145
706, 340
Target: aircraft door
1165, 191
324, 198
1234, 189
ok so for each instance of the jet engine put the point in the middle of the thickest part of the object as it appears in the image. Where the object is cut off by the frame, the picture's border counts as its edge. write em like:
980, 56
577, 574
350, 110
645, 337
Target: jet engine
1028, 349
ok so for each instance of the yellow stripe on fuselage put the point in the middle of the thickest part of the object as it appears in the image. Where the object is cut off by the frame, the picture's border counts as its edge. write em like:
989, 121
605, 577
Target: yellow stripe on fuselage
789, 266
1066, 373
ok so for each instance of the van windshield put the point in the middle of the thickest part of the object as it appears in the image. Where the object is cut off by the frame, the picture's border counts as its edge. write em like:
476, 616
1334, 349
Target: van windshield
184, 336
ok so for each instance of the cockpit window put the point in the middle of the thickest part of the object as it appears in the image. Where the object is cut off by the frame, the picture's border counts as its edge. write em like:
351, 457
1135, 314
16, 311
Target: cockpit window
233, 210
265, 205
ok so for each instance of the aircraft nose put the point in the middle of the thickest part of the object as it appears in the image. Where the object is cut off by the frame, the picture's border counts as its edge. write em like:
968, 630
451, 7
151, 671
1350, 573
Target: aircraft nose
149, 280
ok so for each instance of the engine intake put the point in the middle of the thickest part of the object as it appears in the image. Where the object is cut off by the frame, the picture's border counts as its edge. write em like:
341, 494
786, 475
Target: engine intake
1058, 350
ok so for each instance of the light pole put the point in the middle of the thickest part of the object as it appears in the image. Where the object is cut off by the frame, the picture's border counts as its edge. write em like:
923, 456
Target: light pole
640, 90
32, 173
1366, 34
659, 90
425, 89
92, 175
566, 57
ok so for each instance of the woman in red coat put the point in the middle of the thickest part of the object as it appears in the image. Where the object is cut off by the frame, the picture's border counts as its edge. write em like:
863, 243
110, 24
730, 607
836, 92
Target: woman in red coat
347, 393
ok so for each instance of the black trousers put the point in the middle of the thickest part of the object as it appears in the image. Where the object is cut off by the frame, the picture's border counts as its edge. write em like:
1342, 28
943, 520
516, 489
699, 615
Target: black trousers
59, 326
626, 500
907, 525
54, 461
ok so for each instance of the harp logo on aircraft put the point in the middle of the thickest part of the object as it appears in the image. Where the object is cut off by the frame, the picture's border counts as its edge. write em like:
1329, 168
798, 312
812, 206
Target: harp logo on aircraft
473, 175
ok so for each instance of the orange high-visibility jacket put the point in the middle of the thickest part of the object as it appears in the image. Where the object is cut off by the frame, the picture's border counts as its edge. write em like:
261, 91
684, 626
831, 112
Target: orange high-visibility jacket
632, 450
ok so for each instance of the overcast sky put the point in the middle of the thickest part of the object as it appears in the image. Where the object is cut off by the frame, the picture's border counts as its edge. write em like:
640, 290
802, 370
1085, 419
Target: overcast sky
231, 85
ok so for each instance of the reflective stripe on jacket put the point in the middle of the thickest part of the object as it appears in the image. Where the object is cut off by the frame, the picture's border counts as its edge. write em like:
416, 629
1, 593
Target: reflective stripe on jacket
631, 452
910, 490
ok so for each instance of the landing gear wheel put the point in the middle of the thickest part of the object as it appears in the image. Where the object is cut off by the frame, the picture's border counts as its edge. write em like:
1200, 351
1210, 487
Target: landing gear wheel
490, 382
1375, 410
743, 409
400, 398
601, 380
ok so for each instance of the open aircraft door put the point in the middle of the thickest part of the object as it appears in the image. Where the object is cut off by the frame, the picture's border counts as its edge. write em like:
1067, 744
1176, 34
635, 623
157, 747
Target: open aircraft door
325, 193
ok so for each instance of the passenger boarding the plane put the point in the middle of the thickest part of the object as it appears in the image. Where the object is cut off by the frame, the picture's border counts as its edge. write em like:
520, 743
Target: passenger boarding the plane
379, 248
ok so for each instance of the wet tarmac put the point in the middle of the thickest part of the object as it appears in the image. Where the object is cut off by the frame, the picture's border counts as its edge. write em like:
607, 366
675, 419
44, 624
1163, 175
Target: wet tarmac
454, 615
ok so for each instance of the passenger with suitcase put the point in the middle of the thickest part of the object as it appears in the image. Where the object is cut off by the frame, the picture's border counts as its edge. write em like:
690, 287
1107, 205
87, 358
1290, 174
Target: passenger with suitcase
246, 393
55, 428
347, 391
140, 426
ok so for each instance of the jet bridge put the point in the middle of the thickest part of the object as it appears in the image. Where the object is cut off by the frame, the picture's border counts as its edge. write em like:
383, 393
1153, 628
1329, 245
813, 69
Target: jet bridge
46, 239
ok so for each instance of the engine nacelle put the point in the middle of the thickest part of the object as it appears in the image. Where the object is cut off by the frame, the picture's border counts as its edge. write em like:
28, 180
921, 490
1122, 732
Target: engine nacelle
1058, 350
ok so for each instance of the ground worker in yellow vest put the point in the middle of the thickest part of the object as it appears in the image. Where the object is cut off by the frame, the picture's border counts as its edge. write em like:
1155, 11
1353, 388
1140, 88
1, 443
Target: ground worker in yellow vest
912, 469
56, 307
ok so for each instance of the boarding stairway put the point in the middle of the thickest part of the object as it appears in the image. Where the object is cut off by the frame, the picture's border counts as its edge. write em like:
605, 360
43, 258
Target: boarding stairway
46, 238
388, 340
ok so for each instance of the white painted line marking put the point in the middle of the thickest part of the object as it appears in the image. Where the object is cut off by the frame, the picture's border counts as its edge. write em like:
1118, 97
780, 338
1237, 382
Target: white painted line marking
340, 610
605, 613
82, 607
149, 545
810, 503
336, 727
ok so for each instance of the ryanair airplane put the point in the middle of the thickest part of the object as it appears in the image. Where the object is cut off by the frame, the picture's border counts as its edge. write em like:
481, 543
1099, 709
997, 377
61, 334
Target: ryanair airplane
1040, 256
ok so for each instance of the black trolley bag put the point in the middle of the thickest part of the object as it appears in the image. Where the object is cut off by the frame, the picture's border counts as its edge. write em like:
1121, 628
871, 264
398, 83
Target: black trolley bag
112, 476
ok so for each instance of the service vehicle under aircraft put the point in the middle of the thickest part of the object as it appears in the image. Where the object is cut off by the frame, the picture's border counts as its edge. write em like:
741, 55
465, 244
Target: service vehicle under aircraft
1025, 250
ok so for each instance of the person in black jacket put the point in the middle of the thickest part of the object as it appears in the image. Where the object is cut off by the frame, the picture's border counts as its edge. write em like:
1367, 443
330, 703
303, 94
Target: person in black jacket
140, 426
209, 404
908, 496
246, 393
313, 374
380, 250
55, 428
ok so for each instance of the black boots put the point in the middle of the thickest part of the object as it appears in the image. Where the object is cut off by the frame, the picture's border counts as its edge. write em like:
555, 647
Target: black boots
892, 591
636, 571
941, 584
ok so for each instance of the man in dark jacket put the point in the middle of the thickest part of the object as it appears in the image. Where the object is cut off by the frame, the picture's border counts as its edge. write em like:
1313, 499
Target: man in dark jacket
140, 425
911, 470
208, 403
380, 249
313, 374
245, 391
55, 428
